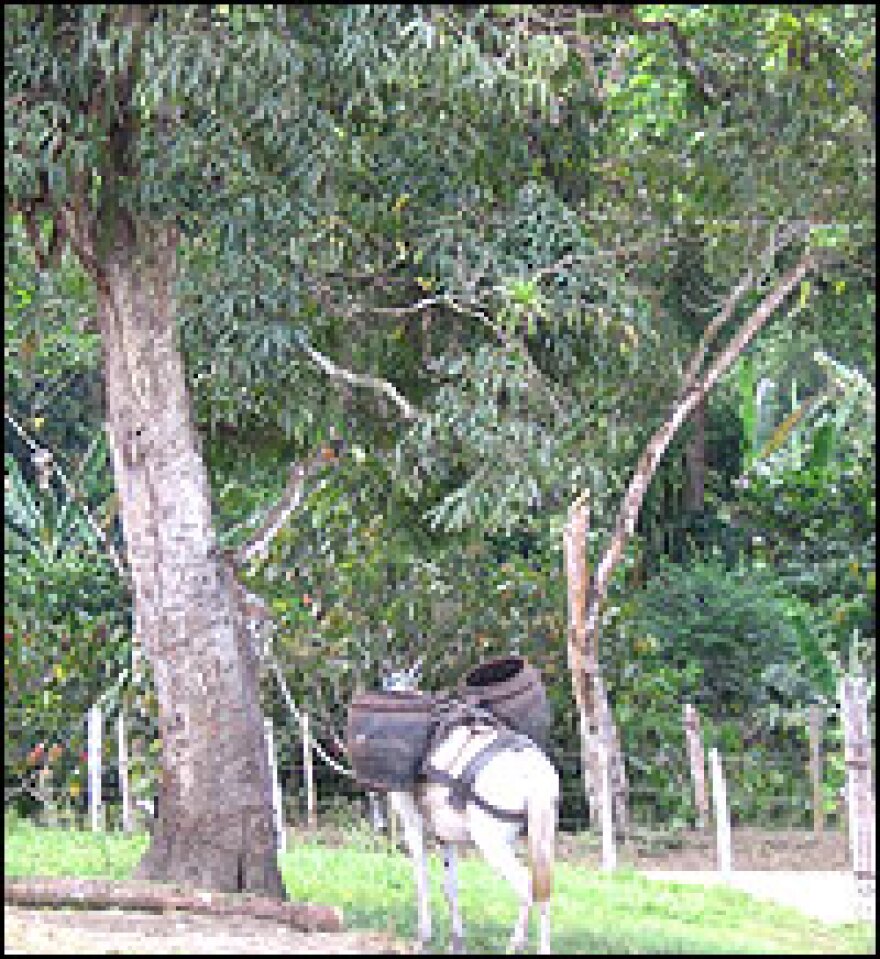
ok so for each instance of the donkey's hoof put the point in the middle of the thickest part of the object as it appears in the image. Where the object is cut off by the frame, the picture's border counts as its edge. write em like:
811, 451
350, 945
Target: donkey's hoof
422, 945
456, 945
515, 946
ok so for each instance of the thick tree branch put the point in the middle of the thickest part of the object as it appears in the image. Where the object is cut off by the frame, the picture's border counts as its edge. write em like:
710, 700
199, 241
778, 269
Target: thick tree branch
563, 21
163, 897
707, 84
661, 439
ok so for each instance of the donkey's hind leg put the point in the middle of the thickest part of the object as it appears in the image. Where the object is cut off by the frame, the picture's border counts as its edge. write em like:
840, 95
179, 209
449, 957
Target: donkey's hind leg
494, 840
450, 885
544, 940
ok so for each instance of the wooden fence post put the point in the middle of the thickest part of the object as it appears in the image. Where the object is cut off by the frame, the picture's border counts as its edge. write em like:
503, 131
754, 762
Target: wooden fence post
276, 787
697, 757
308, 772
609, 852
816, 768
47, 795
95, 735
122, 750
859, 789
722, 819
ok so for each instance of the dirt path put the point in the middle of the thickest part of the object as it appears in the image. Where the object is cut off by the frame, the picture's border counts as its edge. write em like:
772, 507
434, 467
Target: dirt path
104, 932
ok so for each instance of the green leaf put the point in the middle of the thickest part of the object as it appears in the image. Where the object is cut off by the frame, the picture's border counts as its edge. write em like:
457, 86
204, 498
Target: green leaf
823, 444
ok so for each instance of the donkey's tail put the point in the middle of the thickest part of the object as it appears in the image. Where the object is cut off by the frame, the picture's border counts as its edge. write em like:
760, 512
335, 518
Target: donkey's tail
541, 843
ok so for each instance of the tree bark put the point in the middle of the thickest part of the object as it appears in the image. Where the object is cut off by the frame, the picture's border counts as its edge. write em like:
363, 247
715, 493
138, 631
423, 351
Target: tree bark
214, 827
594, 713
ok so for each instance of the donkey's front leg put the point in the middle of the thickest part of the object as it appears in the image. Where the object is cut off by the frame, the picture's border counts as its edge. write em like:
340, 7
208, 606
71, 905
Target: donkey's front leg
414, 837
450, 884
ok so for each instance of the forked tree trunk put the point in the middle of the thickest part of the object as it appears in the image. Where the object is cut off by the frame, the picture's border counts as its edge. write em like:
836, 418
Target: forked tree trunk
214, 826
594, 713
586, 593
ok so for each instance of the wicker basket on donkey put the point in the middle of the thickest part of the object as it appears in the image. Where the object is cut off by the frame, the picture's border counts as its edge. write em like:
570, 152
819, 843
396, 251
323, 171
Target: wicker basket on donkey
387, 737
512, 689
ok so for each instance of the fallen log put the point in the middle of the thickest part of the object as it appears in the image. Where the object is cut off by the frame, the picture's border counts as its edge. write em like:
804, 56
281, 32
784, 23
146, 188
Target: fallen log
161, 897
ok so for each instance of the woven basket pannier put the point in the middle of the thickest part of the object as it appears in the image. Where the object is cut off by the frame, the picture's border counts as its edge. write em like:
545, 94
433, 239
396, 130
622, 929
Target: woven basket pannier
512, 689
387, 737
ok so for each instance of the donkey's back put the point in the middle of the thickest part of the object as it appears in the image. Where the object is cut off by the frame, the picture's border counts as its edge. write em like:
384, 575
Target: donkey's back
481, 775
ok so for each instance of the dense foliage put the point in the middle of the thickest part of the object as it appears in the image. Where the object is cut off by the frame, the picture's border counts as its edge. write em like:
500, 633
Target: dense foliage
523, 218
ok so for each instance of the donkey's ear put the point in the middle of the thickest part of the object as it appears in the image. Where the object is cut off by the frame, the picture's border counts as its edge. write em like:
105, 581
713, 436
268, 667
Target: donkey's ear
415, 670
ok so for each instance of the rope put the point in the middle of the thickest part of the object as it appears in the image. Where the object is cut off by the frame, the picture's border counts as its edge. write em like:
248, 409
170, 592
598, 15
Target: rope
291, 705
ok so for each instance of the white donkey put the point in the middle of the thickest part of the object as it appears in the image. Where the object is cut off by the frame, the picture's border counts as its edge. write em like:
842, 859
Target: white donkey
515, 788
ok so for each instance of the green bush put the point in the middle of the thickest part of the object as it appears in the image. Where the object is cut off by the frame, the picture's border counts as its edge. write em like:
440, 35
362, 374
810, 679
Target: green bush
748, 655
727, 640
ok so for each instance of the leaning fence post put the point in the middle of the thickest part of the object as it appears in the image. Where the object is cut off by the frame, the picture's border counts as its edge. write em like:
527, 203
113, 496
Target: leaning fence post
609, 852
276, 787
95, 733
859, 788
697, 758
308, 771
722, 819
816, 768
122, 750
392, 823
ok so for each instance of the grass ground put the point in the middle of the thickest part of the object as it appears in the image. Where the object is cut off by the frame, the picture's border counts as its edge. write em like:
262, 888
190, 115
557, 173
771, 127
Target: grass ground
591, 912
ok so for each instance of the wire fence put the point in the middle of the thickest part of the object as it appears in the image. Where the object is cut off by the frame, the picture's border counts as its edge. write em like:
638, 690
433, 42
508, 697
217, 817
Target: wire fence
768, 786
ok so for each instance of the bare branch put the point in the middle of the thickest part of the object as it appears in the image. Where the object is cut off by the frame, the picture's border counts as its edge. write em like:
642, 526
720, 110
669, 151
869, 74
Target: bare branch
712, 330
403, 310
167, 897
278, 515
256, 612
614, 253
335, 371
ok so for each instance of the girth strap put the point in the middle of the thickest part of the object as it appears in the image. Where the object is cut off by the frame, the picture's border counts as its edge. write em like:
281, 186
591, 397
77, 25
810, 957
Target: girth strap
462, 786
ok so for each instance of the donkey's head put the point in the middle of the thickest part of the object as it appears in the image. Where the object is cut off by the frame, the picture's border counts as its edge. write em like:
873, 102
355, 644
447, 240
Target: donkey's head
403, 680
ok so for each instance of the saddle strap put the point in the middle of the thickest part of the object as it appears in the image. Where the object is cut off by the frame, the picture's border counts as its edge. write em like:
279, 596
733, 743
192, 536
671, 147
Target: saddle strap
462, 786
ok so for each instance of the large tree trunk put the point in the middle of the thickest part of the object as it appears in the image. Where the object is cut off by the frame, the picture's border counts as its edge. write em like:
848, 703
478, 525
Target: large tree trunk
215, 826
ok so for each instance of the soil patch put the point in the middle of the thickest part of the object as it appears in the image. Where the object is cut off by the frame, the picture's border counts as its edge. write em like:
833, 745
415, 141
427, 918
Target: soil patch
115, 931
